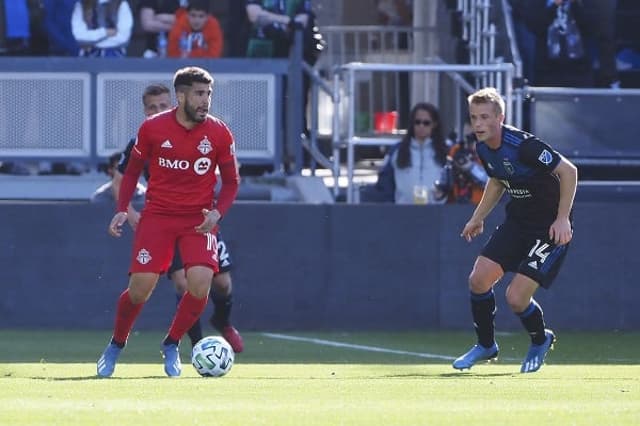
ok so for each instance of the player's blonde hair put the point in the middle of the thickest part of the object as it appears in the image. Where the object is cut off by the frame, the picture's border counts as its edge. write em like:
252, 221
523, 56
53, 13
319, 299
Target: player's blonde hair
488, 95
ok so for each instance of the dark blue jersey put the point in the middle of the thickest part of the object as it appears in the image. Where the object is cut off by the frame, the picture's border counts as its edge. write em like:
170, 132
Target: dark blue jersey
524, 165
124, 159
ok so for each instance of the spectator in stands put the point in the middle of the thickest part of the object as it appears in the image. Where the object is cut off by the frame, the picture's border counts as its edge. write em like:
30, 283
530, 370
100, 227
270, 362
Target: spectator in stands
17, 29
530, 23
237, 29
196, 33
108, 193
102, 28
57, 21
595, 23
273, 24
413, 166
463, 178
157, 18
599, 23
395, 12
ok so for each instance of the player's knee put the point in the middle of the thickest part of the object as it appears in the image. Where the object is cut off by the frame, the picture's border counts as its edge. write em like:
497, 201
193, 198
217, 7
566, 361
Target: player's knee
141, 285
179, 282
221, 284
199, 281
479, 283
140, 292
199, 291
517, 301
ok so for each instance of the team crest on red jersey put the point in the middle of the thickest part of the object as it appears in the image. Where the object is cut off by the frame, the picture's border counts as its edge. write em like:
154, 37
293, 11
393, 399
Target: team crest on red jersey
205, 146
143, 257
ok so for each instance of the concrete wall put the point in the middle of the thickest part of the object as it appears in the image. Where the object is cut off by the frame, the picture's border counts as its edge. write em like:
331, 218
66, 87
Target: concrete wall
313, 267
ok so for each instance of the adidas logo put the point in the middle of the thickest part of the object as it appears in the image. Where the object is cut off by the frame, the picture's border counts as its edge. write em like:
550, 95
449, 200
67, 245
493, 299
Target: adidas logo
166, 144
533, 264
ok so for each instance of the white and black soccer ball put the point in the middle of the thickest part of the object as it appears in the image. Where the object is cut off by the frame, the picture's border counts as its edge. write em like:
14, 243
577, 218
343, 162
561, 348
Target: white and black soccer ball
212, 356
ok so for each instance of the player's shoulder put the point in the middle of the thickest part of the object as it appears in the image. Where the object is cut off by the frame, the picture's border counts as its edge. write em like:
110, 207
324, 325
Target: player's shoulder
514, 136
160, 120
217, 125
212, 120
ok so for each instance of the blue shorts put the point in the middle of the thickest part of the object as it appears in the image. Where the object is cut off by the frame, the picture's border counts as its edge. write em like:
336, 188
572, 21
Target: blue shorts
525, 251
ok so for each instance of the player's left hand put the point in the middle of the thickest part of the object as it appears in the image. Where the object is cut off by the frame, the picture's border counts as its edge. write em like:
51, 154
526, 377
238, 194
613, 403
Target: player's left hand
115, 227
560, 231
211, 218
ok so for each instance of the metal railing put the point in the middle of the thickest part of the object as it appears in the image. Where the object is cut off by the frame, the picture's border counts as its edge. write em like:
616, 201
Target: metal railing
501, 74
517, 61
478, 32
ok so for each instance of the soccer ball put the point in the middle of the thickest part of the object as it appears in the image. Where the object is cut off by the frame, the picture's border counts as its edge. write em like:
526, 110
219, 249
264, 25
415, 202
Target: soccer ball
212, 357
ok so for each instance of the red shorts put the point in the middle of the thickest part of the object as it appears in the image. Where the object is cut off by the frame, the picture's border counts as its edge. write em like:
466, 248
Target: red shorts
157, 236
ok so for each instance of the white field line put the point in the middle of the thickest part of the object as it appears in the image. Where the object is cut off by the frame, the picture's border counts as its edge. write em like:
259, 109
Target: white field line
356, 347
395, 351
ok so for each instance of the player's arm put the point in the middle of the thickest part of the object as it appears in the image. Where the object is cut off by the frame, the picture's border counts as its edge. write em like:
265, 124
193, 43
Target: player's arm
138, 155
493, 191
230, 183
116, 182
133, 216
538, 154
560, 231
130, 180
230, 180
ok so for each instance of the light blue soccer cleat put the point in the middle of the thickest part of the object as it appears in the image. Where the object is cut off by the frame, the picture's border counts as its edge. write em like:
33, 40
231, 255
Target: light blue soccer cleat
535, 357
475, 354
172, 364
107, 362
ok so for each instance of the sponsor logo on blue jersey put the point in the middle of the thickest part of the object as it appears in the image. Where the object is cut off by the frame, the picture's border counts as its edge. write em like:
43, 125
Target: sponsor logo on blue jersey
545, 157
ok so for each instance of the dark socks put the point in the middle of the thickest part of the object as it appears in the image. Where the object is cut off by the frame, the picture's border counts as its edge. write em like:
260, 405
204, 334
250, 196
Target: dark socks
483, 309
533, 321
222, 310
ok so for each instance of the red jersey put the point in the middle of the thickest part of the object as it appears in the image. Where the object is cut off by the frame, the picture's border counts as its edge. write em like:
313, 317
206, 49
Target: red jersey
182, 165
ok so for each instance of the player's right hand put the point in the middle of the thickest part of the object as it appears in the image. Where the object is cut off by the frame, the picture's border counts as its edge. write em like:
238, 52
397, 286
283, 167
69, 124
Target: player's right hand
472, 229
115, 227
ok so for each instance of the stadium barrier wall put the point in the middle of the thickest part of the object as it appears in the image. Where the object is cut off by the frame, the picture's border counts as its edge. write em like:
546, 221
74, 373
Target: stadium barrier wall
314, 267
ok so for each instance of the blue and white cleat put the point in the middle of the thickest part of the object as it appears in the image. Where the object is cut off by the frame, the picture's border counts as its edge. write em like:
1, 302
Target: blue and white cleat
535, 357
475, 354
172, 364
107, 362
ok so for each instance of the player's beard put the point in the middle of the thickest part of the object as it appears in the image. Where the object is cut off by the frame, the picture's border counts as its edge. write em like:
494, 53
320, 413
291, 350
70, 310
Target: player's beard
191, 113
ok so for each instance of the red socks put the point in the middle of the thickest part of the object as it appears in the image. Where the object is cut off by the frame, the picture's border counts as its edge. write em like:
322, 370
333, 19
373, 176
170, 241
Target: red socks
126, 315
189, 310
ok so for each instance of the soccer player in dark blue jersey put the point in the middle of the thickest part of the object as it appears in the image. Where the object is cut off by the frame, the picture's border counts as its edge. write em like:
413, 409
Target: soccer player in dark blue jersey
533, 240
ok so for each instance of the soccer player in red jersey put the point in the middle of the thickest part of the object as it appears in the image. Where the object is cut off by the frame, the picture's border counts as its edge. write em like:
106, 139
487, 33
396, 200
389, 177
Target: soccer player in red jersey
182, 147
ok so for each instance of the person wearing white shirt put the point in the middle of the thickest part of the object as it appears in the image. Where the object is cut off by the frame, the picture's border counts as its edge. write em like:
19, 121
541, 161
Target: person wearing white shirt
415, 163
102, 27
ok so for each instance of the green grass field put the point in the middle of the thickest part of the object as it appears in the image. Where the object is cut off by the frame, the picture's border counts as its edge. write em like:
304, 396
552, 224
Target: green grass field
48, 378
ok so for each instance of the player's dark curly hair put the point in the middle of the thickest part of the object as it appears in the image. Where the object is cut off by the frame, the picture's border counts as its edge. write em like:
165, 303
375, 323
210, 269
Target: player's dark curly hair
189, 75
437, 139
